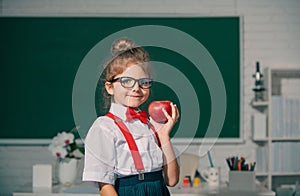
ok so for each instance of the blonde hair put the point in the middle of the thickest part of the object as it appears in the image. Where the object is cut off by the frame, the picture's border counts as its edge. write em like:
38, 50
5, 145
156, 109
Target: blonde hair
124, 54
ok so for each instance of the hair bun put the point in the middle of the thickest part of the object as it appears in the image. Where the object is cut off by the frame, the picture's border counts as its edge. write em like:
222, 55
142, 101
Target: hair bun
122, 45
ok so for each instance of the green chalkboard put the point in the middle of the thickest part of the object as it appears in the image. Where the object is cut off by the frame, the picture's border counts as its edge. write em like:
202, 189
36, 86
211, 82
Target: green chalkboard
41, 57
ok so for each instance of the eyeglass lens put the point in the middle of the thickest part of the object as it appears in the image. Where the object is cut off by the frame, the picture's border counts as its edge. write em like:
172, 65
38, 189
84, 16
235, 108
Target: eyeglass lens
128, 82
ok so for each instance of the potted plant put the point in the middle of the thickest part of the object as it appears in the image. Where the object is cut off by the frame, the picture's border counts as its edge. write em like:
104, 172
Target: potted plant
64, 147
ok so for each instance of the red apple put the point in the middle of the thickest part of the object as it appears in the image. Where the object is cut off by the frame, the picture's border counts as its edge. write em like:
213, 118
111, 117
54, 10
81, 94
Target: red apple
156, 113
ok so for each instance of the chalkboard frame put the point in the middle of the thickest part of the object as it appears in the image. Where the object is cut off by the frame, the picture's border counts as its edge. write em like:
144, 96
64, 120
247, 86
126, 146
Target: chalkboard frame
184, 140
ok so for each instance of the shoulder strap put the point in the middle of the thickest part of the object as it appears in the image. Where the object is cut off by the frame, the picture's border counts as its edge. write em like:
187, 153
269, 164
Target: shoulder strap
155, 133
130, 141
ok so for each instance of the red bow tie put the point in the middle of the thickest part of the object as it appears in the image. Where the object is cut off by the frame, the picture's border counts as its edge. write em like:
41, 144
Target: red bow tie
131, 115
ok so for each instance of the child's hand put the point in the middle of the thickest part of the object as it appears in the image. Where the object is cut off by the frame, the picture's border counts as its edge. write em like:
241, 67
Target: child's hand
164, 130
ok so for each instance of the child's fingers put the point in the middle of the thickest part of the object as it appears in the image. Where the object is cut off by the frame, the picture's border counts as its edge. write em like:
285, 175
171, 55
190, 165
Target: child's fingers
166, 114
174, 115
177, 113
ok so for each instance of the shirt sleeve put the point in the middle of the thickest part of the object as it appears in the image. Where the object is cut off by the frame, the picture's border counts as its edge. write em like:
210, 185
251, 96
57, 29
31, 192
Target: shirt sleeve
100, 155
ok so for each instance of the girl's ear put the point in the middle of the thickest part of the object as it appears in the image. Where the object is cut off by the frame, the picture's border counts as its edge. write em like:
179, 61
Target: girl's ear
109, 88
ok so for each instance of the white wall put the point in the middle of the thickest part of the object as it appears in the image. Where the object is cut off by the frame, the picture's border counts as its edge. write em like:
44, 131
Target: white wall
271, 36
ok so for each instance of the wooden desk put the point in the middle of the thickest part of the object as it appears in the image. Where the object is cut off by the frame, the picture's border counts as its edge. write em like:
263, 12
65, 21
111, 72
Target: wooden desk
87, 190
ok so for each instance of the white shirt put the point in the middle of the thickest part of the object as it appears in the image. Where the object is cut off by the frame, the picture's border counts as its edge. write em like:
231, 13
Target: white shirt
107, 154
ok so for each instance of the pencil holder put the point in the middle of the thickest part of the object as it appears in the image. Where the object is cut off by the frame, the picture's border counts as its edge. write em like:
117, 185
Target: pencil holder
242, 180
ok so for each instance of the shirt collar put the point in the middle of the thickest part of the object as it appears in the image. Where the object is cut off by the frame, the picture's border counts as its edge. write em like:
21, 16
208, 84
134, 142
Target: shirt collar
119, 110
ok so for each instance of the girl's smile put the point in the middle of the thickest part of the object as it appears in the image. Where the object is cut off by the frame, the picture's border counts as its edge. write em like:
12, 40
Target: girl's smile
135, 96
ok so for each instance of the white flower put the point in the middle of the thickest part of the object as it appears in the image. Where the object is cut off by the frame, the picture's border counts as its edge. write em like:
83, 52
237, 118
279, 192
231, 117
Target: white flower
63, 139
58, 151
63, 145
77, 153
67, 138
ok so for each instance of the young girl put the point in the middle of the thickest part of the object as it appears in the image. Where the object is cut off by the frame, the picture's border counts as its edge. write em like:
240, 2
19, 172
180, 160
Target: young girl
125, 153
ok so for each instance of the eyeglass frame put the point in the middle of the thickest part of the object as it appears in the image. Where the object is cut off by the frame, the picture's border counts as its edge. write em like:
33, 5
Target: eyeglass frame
135, 80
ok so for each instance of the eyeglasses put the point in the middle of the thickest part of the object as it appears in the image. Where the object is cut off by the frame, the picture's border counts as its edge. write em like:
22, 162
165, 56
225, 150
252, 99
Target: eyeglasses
129, 82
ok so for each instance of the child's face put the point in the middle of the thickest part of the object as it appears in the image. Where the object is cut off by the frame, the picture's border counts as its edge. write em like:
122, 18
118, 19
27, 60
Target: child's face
130, 97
